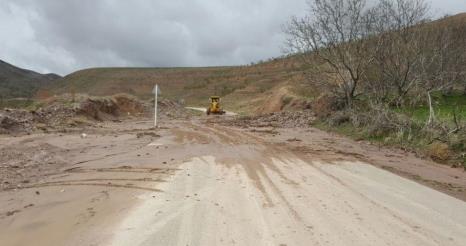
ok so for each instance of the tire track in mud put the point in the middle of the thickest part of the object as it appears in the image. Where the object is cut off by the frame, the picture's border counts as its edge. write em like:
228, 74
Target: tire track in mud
58, 184
111, 155
254, 168
98, 181
195, 132
123, 169
110, 179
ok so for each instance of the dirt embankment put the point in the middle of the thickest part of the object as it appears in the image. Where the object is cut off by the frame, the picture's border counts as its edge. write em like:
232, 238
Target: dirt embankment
111, 108
64, 112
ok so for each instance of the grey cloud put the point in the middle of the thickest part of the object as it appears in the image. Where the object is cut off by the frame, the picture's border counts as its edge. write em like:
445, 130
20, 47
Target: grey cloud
65, 35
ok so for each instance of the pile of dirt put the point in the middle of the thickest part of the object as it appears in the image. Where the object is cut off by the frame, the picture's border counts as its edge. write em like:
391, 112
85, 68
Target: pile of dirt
283, 119
169, 109
53, 115
63, 112
111, 108
68, 111
130, 105
23, 121
15, 121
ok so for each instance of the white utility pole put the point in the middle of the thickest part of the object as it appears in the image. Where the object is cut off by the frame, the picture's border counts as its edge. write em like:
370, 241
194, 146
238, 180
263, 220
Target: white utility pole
156, 91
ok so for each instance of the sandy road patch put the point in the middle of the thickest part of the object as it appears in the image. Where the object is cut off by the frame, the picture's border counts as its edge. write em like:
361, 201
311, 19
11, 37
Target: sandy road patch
208, 203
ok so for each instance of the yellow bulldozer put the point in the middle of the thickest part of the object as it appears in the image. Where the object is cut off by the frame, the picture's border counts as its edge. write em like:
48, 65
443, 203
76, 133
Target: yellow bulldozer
214, 107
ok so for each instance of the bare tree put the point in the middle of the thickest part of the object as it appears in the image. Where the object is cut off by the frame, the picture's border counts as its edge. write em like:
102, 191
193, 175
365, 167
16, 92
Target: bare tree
442, 63
334, 40
388, 51
397, 23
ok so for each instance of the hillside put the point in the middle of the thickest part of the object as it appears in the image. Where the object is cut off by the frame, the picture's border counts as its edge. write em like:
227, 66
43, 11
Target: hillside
264, 87
17, 82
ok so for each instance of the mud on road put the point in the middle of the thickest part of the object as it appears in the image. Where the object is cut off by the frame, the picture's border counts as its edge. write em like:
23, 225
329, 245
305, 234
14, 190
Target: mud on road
204, 182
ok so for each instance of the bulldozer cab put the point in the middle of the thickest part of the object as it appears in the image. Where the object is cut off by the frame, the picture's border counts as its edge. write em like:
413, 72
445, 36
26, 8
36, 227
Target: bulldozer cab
215, 99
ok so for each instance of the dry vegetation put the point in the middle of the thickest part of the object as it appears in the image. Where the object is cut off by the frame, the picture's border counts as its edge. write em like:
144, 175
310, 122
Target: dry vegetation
384, 64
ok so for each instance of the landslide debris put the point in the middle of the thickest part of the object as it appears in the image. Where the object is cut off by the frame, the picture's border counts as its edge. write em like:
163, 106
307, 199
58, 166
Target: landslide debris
283, 119
111, 108
169, 109
66, 111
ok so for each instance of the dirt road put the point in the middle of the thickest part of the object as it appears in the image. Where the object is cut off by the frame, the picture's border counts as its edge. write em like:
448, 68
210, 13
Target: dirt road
198, 183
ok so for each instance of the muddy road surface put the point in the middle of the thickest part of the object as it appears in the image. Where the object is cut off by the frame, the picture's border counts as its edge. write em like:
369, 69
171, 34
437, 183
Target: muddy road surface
200, 183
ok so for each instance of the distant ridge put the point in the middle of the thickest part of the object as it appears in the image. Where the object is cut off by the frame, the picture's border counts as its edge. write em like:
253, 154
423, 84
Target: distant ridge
17, 82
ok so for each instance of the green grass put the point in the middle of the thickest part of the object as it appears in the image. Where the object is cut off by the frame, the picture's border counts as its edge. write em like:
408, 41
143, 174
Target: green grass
347, 129
414, 138
444, 107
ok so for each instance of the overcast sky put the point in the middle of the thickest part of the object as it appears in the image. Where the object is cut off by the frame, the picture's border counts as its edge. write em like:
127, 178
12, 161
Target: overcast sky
63, 36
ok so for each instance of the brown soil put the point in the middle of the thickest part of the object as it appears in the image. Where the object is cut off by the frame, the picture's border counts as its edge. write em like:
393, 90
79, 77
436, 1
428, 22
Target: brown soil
25, 162
66, 112
79, 188
293, 130
285, 119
